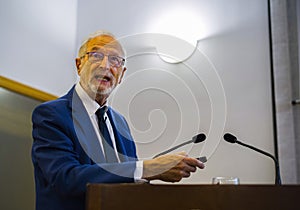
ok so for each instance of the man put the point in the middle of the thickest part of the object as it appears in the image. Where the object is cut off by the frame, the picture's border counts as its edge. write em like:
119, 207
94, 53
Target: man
72, 148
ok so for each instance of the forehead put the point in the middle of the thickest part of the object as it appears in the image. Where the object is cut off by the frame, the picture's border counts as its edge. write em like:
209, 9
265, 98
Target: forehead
105, 42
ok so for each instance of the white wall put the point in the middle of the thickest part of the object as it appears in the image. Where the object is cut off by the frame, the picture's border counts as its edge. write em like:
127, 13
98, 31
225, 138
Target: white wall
167, 103
38, 43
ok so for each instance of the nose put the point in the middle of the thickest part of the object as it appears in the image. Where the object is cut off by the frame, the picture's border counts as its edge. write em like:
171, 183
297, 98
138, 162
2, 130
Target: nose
104, 63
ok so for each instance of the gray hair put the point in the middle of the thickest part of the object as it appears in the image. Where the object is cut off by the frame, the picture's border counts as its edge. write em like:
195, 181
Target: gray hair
95, 34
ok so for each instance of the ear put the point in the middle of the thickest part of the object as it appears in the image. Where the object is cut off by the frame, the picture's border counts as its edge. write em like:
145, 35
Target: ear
122, 74
78, 65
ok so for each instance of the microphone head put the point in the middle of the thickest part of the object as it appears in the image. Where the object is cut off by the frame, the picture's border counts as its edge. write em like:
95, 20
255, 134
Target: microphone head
230, 138
199, 138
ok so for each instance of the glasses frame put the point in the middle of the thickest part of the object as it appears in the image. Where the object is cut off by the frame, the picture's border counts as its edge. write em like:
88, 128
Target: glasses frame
108, 57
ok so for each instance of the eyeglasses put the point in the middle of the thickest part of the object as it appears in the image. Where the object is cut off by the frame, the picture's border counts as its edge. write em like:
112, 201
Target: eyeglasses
114, 60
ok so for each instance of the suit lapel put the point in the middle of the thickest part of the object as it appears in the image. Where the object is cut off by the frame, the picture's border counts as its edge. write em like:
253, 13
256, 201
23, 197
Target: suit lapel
124, 141
118, 138
88, 138
84, 128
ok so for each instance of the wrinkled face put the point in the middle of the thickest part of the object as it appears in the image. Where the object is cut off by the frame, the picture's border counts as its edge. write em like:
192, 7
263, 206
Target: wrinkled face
99, 66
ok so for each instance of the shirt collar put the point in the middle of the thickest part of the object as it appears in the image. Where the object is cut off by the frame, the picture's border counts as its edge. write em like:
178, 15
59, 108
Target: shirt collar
90, 104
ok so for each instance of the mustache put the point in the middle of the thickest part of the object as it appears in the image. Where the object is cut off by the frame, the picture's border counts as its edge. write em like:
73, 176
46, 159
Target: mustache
107, 76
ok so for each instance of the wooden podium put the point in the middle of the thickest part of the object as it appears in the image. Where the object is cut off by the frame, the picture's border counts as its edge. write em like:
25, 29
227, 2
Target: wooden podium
192, 197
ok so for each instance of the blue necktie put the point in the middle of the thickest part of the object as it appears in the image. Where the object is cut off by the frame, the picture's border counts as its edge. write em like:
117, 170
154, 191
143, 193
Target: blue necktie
108, 148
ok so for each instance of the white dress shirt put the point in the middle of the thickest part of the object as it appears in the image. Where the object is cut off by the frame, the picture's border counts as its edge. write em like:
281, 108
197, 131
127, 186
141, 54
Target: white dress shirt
91, 107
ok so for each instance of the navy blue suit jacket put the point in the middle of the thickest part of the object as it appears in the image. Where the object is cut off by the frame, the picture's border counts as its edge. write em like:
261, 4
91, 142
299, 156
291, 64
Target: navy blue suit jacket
66, 153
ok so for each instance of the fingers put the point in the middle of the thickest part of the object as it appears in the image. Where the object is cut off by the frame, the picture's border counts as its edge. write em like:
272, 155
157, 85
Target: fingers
189, 165
171, 167
185, 167
193, 162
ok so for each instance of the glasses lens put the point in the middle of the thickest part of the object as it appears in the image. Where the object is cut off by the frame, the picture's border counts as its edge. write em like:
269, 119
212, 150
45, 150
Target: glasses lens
95, 57
113, 60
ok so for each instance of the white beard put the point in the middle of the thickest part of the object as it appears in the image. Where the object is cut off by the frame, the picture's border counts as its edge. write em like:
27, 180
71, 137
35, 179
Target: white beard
107, 91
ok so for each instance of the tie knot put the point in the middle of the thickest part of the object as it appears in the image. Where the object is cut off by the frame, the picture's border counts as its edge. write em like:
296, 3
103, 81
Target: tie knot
101, 111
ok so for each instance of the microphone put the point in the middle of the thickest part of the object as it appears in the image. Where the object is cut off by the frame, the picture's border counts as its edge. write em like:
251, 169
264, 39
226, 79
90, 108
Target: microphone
196, 139
232, 139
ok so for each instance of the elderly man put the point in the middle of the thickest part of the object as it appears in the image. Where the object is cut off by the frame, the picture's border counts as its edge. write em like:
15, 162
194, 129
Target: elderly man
78, 139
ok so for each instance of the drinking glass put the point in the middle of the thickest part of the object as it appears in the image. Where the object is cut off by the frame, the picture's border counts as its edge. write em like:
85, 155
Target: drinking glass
226, 180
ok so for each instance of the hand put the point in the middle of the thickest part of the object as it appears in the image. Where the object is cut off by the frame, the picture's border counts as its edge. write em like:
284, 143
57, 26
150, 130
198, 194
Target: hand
171, 167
